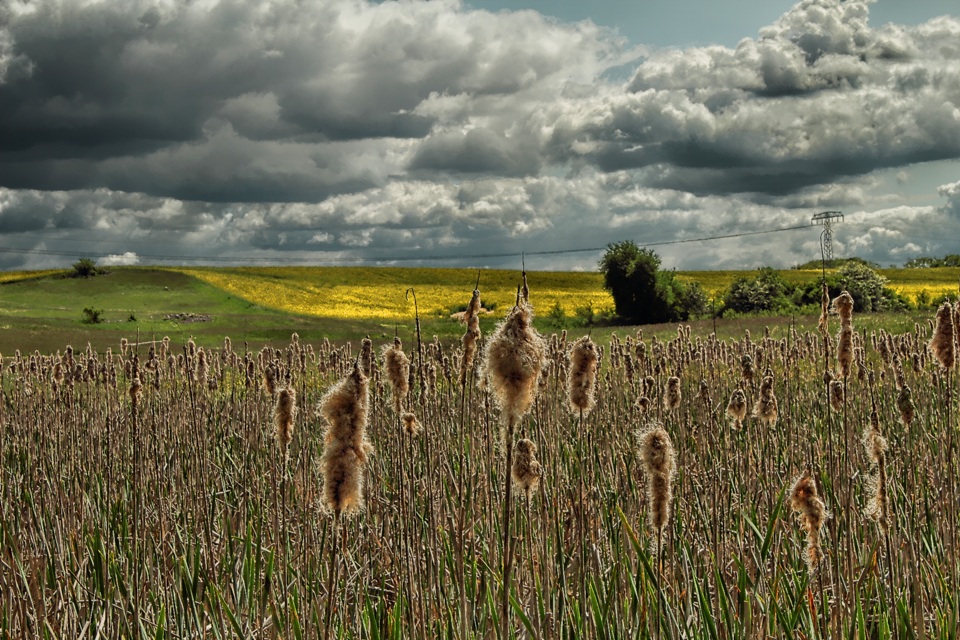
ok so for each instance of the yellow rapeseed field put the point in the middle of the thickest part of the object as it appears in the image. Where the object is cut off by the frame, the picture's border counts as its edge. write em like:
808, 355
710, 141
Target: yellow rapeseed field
381, 294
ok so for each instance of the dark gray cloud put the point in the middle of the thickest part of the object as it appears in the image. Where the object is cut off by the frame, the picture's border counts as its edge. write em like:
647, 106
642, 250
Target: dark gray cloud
345, 130
280, 102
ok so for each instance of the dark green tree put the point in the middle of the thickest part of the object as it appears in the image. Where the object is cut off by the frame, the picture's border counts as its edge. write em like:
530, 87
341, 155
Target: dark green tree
641, 293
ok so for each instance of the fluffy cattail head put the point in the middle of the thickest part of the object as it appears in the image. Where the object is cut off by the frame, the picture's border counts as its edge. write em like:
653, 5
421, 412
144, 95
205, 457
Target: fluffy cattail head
582, 378
905, 406
942, 342
366, 356
411, 425
514, 357
284, 413
526, 470
823, 325
810, 510
346, 448
671, 395
844, 306
472, 335
737, 408
136, 387
845, 350
396, 366
642, 404
766, 408
659, 462
878, 506
270, 380
836, 395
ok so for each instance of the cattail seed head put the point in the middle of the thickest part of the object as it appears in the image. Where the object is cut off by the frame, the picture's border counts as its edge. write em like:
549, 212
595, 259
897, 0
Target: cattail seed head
346, 448
767, 409
878, 505
905, 406
582, 377
810, 510
472, 335
396, 366
844, 306
526, 470
942, 342
366, 356
671, 395
823, 324
737, 408
136, 387
270, 380
284, 414
845, 350
659, 462
836, 395
514, 357
411, 425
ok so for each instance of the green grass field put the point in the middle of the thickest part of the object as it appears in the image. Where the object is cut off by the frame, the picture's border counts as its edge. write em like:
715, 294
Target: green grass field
44, 310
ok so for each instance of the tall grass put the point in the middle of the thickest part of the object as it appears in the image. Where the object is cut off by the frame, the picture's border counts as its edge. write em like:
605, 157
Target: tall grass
170, 511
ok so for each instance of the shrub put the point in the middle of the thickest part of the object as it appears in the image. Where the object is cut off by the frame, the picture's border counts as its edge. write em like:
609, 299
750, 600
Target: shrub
85, 268
92, 316
767, 291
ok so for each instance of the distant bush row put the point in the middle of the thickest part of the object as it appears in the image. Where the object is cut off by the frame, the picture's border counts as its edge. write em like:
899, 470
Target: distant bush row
644, 295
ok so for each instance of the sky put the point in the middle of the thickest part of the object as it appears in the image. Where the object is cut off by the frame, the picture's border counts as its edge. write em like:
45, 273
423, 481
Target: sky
449, 133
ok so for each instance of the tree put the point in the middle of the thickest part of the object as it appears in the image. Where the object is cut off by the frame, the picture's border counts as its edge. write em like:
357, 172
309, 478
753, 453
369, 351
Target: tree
641, 293
767, 291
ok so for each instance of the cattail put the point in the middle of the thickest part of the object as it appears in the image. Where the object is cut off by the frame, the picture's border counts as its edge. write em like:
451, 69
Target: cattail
671, 396
284, 413
410, 423
810, 511
766, 408
844, 306
845, 350
746, 369
472, 335
136, 387
396, 365
942, 342
514, 357
905, 406
643, 404
822, 325
582, 378
659, 462
366, 356
878, 507
526, 470
346, 448
202, 366
737, 408
270, 380
836, 395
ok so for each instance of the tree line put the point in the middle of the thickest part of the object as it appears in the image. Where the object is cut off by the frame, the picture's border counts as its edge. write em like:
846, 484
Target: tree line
645, 294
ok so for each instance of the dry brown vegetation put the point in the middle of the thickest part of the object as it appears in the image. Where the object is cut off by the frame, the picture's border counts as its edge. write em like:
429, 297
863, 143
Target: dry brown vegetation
173, 491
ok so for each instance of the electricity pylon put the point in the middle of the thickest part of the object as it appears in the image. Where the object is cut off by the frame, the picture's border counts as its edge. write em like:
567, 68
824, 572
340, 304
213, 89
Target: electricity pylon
827, 218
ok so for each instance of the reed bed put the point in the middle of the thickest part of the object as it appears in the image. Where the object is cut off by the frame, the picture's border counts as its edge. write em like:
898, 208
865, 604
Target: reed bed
709, 489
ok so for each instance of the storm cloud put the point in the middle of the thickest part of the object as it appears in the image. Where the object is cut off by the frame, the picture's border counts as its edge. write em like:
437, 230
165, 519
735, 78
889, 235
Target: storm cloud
345, 130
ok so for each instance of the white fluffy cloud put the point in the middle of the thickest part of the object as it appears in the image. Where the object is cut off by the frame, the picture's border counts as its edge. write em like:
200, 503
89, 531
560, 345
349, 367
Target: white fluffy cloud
377, 131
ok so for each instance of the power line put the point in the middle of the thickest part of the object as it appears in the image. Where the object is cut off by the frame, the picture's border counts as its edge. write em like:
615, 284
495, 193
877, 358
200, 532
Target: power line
403, 258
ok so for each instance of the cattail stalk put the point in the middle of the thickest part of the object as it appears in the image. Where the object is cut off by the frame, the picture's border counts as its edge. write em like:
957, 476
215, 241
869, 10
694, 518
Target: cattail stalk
513, 361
